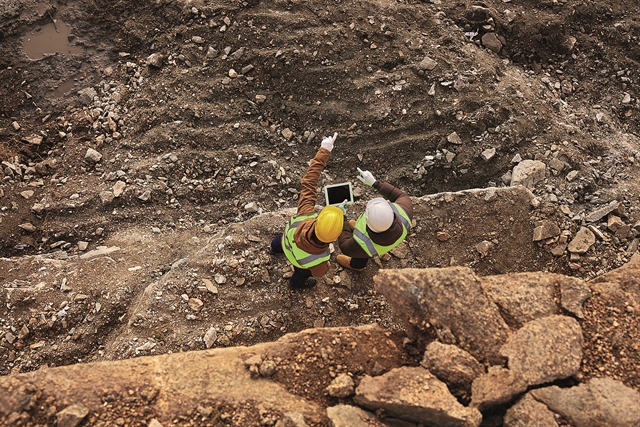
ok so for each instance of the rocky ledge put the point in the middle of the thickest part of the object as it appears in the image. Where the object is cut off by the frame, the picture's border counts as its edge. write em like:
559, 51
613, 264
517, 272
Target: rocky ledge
477, 346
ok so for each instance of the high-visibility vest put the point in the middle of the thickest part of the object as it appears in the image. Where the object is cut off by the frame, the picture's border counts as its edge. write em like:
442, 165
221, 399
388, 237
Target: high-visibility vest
295, 255
369, 246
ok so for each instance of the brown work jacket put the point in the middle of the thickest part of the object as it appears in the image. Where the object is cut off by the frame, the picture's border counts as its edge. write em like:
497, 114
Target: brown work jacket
350, 247
306, 206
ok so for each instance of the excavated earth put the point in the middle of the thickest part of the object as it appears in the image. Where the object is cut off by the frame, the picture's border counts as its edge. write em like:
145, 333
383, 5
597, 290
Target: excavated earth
148, 161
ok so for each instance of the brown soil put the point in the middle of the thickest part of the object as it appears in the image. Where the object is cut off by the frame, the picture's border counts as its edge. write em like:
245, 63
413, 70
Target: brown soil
195, 142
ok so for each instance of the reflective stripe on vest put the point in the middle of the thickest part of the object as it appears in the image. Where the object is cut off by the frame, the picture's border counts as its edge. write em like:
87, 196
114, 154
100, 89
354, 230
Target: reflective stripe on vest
295, 255
369, 246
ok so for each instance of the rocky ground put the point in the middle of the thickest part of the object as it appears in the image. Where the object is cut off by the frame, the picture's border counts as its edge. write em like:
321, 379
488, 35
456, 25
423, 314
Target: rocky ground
143, 176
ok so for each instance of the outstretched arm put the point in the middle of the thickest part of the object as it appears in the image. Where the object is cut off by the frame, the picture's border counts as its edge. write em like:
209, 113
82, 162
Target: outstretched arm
395, 195
388, 191
309, 183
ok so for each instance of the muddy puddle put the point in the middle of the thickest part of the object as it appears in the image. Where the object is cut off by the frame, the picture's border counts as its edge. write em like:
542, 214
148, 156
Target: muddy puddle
50, 39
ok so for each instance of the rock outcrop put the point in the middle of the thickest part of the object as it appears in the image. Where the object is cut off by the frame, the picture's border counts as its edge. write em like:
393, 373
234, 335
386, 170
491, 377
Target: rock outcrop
452, 301
318, 376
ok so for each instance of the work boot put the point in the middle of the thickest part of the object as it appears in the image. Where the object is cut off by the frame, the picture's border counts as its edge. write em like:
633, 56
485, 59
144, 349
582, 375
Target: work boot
309, 283
345, 261
352, 224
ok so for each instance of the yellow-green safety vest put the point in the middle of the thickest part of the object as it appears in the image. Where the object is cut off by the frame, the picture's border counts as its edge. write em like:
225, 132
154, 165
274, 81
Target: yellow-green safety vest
295, 255
369, 246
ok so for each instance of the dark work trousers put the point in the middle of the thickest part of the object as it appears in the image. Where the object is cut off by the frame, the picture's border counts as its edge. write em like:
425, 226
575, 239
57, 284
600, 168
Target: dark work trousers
358, 262
300, 275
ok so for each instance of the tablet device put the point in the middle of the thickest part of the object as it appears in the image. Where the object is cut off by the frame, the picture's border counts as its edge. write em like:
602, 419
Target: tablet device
337, 193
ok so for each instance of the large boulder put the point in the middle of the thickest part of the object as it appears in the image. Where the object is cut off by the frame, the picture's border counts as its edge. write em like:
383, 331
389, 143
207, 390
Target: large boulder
414, 394
496, 387
602, 402
523, 297
451, 300
545, 350
528, 412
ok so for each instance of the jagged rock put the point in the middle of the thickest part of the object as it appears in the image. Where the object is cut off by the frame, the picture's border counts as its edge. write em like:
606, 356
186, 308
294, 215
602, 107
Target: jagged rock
27, 226
401, 251
454, 138
497, 386
600, 213
573, 293
528, 173
71, 416
287, 133
451, 364
600, 402
491, 42
211, 52
449, 299
566, 45
528, 412
118, 188
546, 230
427, 64
341, 386
522, 297
556, 165
210, 337
145, 196
425, 399
92, 155
545, 349
488, 154
99, 251
106, 197
582, 241
195, 304
251, 207
351, 416
155, 60
292, 419
614, 223
572, 175
86, 95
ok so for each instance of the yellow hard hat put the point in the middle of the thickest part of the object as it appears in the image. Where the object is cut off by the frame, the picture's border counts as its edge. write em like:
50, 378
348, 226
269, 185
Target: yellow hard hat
329, 224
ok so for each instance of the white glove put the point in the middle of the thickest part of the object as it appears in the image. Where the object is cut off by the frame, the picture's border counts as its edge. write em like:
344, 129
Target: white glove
366, 177
343, 206
328, 142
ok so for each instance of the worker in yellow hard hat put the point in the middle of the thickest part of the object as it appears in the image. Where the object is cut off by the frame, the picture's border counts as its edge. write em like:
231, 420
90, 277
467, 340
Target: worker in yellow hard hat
306, 237
384, 225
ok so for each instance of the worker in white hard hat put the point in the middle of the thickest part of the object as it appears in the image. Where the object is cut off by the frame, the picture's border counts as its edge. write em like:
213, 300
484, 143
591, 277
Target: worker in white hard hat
306, 237
383, 226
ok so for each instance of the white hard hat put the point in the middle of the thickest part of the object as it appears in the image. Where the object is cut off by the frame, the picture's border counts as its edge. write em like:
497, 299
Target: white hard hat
379, 215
